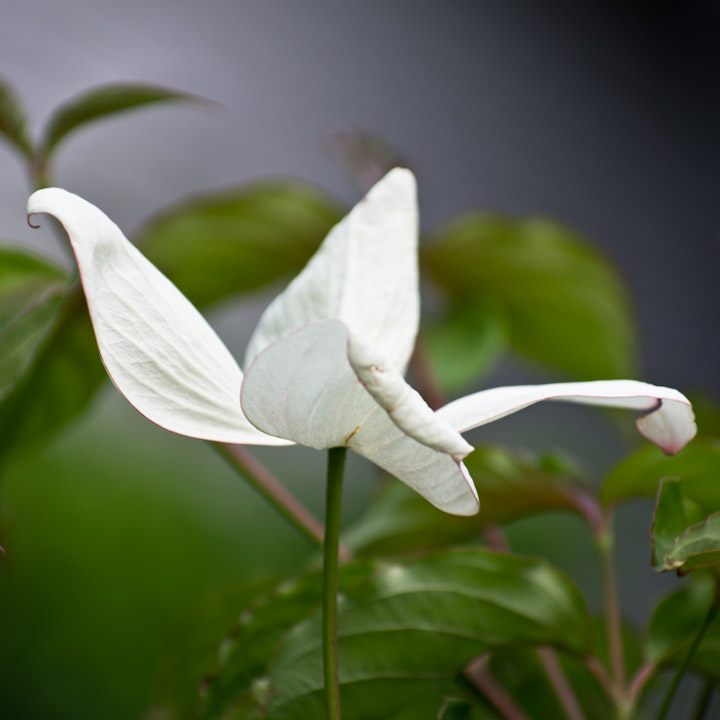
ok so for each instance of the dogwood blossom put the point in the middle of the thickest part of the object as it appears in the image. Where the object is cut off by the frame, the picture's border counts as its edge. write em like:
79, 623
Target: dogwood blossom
325, 365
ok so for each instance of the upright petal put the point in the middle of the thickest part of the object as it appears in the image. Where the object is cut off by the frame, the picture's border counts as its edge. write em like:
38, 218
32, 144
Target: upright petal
157, 348
667, 419
365, 273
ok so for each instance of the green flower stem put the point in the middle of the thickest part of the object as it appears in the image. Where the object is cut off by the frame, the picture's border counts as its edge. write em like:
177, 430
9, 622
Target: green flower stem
667, 702
275, 493
336, 465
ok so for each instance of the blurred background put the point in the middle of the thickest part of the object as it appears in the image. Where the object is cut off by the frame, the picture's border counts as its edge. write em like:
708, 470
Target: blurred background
131, 550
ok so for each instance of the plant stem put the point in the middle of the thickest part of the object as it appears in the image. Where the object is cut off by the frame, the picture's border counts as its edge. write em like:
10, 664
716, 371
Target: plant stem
336, 465
605, 543
711, 615
627, 704
560, 684
276, 493
478, 673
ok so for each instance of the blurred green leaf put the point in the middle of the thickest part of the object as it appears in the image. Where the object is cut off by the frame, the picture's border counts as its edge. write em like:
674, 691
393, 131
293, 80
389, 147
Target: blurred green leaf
25, 281
245, 654
675, 623
193, 647
238, 240
697, 547
401, 629
103, 101
59, 382
12, 121
707, 413
510, 486
674, 513
565, 304
639, 475
30, 290
465, 344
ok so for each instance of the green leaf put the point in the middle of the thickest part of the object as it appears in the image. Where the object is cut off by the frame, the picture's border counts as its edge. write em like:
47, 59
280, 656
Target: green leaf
465, 344
404, 631
245, 655
425, 620
673, 514
510, 486
12, 121
103, 101
60, 381
239, 239
697, 547
30, 290
192, 647
676, 622
565, 304
639, 475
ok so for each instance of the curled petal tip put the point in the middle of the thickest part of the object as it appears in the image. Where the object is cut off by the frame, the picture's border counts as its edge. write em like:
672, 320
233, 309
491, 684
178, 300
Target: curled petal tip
670, 424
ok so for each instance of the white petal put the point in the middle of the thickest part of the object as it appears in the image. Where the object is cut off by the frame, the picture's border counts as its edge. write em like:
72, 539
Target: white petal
403, 404
157, 348
364, 273
302, 387
441, 480
668, 419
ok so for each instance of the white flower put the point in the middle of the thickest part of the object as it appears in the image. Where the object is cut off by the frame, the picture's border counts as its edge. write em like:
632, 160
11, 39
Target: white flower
325, 365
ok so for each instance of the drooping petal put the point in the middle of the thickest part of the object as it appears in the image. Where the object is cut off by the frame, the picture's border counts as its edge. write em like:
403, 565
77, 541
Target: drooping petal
435, 475
364, 273
157, 348
667, 420
403, 404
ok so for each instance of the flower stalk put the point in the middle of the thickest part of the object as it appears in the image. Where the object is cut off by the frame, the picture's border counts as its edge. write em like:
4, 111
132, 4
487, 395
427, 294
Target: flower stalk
336, 466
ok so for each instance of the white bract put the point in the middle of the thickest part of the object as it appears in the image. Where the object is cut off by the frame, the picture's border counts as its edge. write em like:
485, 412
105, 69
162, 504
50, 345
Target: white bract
325, 365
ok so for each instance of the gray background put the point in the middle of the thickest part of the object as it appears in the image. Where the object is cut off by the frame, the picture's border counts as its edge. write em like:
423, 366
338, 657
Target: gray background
597, 114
